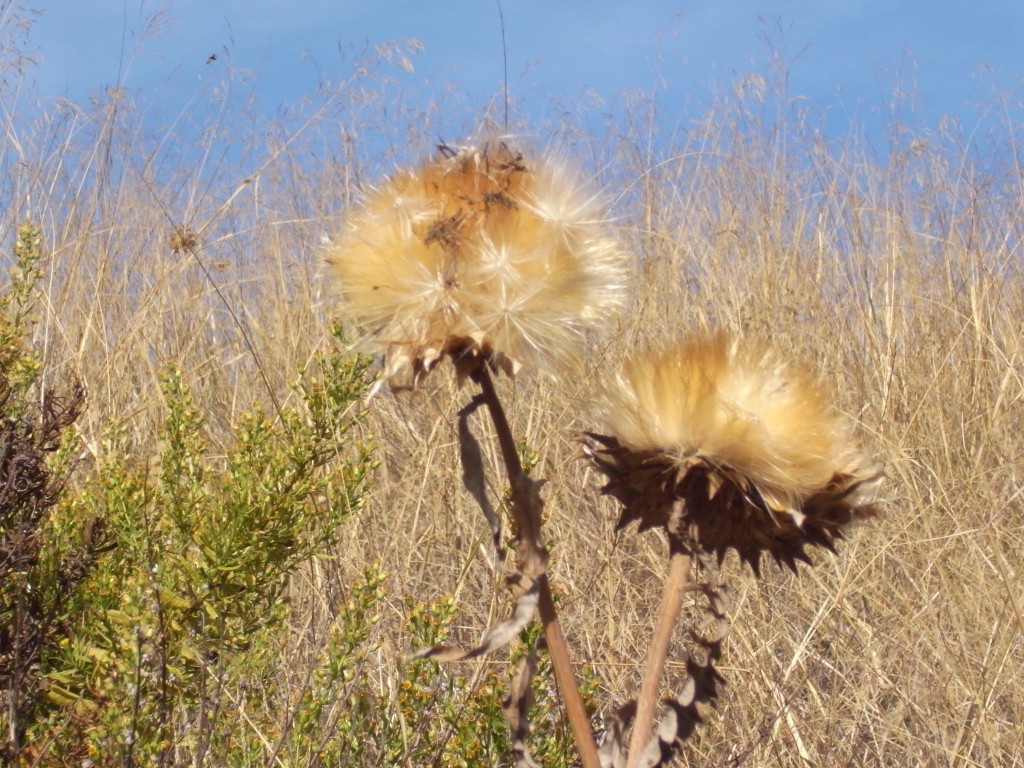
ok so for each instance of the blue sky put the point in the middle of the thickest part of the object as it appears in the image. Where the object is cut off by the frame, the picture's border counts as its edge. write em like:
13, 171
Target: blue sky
845, 57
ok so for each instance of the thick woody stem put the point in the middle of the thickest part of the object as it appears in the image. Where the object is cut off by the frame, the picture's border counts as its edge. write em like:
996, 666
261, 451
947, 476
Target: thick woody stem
676, 584
533, 556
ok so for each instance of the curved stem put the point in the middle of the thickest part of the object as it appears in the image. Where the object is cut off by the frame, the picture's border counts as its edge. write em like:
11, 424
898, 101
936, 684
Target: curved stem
533, 557
676, 583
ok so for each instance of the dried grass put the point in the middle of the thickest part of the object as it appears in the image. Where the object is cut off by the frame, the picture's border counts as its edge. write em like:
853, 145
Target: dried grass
900, 276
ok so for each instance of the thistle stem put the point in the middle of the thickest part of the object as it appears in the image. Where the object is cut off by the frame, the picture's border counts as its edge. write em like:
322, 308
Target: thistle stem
533, 557
676, 584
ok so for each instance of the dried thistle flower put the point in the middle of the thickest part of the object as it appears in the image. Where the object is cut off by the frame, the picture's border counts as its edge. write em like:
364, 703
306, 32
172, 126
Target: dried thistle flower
727, 444
183, 239
479, 252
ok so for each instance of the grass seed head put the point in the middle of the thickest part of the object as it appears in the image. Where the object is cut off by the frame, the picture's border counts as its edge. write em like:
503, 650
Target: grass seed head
730, 444
479, 252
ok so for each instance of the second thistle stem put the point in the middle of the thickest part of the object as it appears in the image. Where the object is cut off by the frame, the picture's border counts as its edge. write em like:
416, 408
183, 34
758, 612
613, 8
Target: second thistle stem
676, 583
534, 556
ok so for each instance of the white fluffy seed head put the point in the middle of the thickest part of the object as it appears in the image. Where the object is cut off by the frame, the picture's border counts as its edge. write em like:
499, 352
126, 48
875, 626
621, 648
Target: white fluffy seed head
480, 250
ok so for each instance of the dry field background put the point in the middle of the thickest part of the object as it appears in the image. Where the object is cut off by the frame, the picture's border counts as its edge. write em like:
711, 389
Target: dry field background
899, 273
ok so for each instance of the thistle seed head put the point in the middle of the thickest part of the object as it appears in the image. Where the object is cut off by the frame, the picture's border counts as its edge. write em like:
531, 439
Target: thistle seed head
728, 444
480, 252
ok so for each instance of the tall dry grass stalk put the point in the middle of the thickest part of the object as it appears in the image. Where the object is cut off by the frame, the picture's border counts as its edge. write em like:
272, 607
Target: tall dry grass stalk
899, 271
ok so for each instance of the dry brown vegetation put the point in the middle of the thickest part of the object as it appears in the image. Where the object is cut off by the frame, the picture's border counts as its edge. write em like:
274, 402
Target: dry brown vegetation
900, 275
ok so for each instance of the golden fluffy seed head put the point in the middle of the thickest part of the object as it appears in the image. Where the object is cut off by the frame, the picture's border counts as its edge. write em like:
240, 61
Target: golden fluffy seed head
735, 403
733, 445
482, 252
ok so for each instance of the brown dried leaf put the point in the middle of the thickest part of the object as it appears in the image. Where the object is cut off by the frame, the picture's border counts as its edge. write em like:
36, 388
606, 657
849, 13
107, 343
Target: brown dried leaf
516, 708
495, 638
614, 747
473, 473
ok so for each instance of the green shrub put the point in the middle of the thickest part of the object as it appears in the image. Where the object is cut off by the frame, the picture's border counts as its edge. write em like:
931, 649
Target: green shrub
39, 572
175, 625
448, 716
